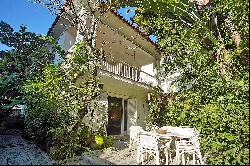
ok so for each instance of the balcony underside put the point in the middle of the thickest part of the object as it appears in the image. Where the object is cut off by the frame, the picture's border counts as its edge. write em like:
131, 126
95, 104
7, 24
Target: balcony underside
118, 70
122, 87
118, 77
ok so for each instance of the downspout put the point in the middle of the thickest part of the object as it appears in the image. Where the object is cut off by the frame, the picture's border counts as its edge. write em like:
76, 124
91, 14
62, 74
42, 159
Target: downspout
157, 68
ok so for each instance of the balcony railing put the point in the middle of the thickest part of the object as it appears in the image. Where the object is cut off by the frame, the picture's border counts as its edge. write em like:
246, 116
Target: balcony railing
123, 69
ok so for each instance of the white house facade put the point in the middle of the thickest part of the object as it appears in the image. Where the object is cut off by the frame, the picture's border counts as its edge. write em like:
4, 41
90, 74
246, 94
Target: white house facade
128, 71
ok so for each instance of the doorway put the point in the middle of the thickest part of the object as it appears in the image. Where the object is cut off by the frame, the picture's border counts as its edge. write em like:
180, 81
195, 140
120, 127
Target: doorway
115, 111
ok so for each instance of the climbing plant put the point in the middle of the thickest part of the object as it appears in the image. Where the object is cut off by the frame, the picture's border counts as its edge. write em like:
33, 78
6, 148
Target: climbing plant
206, 42
59, 102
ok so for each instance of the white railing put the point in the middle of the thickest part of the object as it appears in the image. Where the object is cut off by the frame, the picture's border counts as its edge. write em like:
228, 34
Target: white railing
125, 70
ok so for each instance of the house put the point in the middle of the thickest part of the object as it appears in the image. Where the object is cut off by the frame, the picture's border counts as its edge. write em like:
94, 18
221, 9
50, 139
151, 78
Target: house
128, 72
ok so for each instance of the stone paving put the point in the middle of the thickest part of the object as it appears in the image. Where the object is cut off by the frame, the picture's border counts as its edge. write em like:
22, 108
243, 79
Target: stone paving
14, 150
120, 154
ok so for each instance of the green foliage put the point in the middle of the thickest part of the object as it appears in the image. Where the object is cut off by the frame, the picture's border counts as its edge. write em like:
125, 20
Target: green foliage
108, 141
220, 111
222, 119
155, 108
27, 57
60, 100
101, 141
200, 43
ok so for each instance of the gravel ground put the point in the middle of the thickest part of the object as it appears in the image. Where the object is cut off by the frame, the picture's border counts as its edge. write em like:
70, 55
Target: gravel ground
117, 155
14, 150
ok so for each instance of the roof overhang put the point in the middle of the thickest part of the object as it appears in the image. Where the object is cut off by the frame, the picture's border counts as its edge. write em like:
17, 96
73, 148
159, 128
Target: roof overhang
121, 26
112, 19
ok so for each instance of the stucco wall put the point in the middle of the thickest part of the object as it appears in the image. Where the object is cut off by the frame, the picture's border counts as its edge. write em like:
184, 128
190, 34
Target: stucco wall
137, 100
67, 39
142, 110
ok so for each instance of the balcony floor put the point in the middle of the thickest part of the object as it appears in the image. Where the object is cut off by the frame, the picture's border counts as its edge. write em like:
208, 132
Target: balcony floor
123, 86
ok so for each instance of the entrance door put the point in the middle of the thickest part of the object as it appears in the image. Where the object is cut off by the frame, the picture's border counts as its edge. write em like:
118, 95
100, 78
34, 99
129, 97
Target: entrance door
114, 115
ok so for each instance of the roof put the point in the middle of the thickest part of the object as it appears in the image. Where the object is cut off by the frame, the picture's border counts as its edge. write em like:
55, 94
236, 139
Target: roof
136, 28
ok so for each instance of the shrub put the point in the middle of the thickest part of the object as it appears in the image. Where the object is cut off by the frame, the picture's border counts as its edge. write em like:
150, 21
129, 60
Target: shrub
58, 104
220, 113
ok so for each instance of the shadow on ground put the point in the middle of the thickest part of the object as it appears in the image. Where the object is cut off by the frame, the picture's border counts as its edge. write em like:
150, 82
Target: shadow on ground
14, 150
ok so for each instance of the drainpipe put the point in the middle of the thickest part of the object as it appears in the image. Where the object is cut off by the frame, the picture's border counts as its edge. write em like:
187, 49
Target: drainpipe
157, 68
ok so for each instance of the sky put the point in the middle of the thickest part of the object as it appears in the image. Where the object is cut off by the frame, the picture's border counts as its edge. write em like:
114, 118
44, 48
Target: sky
17, 12
37, 18
129, 15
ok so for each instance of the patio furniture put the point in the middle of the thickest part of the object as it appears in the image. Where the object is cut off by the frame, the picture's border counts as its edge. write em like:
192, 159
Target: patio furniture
147, 146
181, 131
171, 133
133, 136
166, 140
186, 141
152, 128
169, 129
189, 146
152, 144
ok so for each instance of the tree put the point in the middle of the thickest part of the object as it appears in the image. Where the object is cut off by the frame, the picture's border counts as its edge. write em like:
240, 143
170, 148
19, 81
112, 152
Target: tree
63, 111
208, 44
62, 103
26, 59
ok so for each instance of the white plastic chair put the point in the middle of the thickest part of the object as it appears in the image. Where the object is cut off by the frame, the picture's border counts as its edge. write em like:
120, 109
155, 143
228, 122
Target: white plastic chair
190, 146
167, 151
148, 145
171, 130
133, 136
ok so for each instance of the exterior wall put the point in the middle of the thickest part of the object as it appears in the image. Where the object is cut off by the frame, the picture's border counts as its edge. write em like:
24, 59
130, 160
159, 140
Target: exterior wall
149, 69
67, 39
137, 96
137, 100
132, 113
142, 112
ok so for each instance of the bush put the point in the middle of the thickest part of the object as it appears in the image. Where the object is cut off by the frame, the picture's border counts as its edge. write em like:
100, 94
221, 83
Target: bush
220, 113
58, 104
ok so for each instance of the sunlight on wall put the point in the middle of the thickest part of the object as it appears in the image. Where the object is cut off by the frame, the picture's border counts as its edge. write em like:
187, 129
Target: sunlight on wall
148, 69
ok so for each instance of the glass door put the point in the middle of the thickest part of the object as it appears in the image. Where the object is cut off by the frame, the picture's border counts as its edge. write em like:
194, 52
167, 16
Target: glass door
114, 115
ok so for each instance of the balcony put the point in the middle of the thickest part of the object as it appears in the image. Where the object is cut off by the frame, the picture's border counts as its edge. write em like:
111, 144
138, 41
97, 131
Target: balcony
126, 71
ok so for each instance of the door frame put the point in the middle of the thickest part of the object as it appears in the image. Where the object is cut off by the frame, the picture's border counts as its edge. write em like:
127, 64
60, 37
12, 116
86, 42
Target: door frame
122, 112
122, 131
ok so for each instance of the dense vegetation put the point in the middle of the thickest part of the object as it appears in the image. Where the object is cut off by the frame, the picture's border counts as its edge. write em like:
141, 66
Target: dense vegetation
60, 101
208, 46
26, 58
61, 105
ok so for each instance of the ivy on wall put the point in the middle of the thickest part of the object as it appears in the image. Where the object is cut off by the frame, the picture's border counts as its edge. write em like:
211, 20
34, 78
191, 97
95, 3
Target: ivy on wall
208, 45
